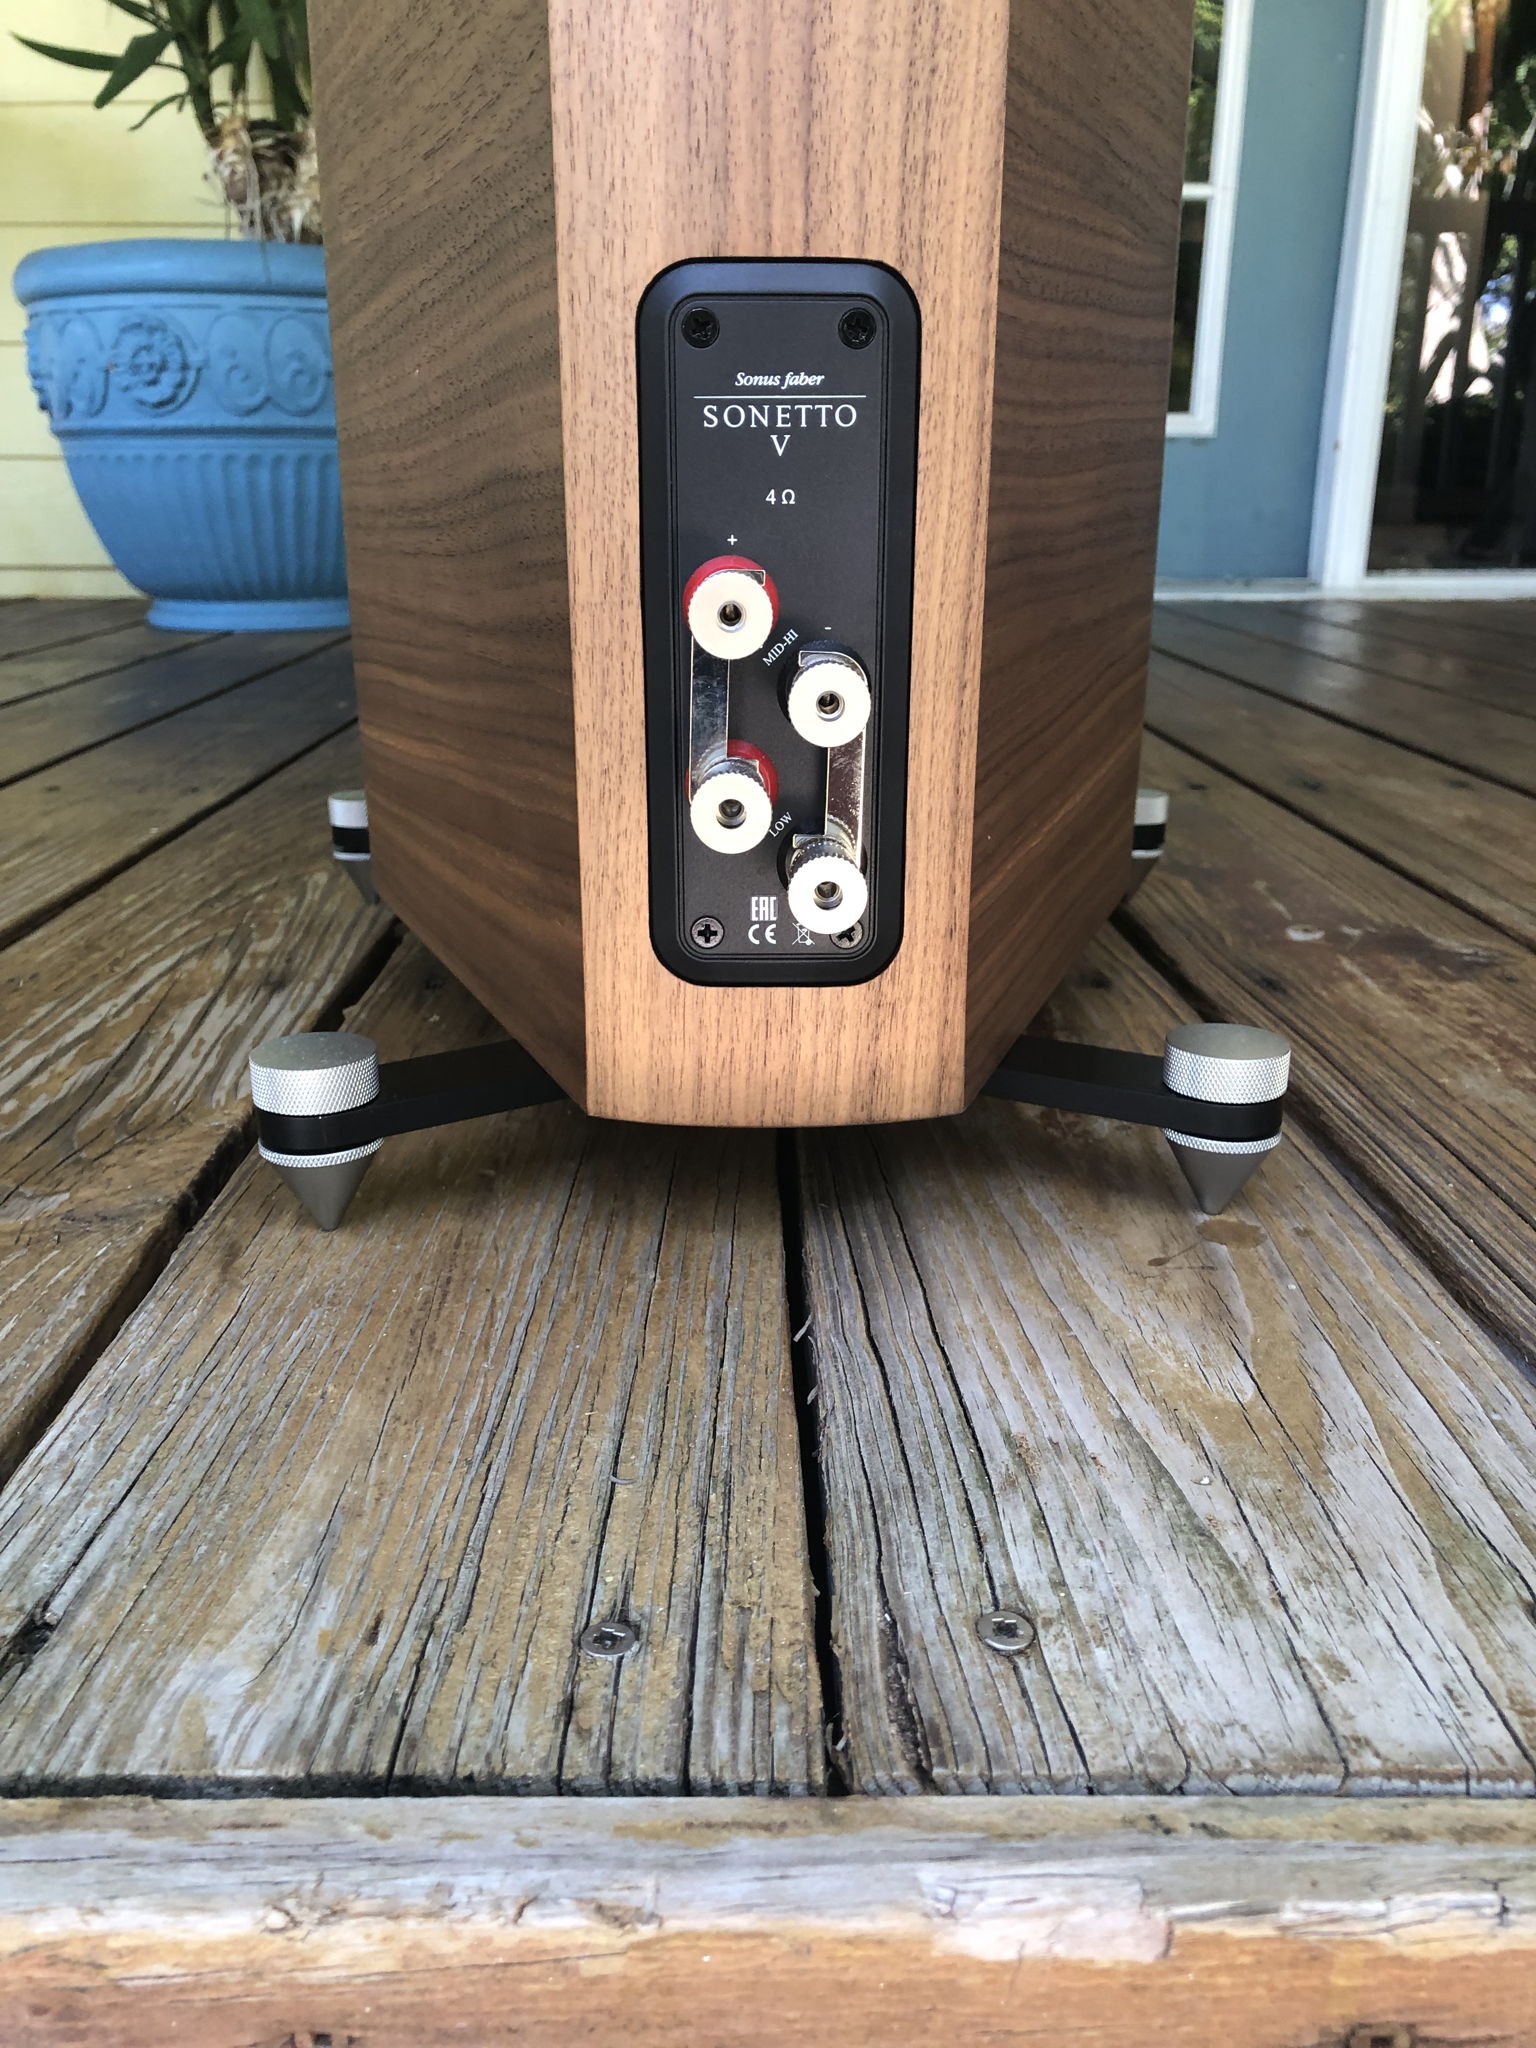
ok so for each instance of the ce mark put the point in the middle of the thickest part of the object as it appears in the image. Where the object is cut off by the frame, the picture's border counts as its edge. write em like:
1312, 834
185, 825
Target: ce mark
768, 931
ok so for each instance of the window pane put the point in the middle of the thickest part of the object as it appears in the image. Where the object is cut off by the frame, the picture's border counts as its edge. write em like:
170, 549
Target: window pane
1456, 484
1186, 304
1202, 91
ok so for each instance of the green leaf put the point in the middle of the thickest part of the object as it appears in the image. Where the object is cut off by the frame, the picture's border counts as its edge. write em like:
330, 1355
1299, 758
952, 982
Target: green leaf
234, 50
134, 62
257, 18
88, 60
172, 99
139, 13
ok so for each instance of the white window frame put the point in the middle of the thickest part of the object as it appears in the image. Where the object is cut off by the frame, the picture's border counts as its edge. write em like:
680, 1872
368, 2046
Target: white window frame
1219, 191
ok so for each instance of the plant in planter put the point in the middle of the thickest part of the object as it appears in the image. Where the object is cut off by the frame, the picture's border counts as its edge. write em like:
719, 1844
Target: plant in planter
189, 381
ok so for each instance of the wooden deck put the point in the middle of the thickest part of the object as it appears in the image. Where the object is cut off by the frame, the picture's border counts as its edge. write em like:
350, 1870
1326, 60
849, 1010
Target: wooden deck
298, 1514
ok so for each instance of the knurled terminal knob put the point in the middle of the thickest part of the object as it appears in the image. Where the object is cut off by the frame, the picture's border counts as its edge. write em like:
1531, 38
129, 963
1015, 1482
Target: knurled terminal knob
826, 888
731, 808
827, 699
1223, 1063
731, 606
316, 1073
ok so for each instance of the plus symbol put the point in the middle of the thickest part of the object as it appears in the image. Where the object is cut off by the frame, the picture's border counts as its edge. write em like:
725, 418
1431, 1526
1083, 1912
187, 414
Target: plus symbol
731, 539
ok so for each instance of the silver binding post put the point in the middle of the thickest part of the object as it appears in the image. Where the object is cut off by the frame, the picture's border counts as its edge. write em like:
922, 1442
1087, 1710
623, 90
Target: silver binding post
348, 812
1223, 1063
314, 1074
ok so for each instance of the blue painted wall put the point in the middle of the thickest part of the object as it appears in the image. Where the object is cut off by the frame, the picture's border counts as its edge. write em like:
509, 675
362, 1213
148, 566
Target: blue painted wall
1240, 504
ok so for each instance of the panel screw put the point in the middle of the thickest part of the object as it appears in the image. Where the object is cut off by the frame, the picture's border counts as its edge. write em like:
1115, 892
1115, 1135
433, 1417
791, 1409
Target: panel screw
854, 936
700, 327
1002, 1628
857, 327
706, 932
609, 1639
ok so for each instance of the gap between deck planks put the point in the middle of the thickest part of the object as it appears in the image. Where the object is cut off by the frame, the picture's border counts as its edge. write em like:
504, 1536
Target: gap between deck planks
1481, 665
1414, 1024
1469, 840
29, 625
1268, 1495
1476, 1717
540, 1380
1491, 742
1272, 1539
63, 829
75, 716
124, 1025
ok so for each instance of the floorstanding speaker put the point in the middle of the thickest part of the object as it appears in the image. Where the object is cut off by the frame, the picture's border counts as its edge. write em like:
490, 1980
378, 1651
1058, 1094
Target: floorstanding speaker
752, 426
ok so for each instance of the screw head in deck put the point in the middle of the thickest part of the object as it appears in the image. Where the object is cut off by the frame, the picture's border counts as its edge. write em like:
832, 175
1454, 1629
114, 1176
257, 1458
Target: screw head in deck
1005, 1629
609, 1639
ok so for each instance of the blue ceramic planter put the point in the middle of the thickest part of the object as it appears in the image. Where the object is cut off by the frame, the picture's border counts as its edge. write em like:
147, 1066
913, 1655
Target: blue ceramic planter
189, 384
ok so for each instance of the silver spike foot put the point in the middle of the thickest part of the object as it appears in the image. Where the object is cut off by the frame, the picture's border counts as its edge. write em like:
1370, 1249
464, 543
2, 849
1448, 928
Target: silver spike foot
326, 1190
1217, 1176
1223, 1063
316, 1073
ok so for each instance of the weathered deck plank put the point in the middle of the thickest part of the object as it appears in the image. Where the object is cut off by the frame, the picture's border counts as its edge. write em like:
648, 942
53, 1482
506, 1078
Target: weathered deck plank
1268, 1496
28, 625
391, 1923
1414, 1024
1492, 743
1472, 664
1469, 840
67, 720
334, 1510
67, 828
24, 677
1449, 623
124, 1025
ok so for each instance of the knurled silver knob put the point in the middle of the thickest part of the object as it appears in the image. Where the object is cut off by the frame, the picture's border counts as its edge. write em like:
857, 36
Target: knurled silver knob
1151, 807
347, 809
315, 1073
1226, 1063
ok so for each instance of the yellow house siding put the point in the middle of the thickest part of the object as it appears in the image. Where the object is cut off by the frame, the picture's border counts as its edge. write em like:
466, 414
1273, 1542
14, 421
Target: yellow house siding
71, 174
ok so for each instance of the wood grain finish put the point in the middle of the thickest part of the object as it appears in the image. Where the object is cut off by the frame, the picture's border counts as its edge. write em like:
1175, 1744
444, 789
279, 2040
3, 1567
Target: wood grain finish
441, 254
389, 1923
866, 130
873, 129
1095, 127
335, 1510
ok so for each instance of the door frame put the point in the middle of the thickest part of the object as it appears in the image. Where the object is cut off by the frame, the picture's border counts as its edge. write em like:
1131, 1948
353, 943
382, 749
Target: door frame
1365, 316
